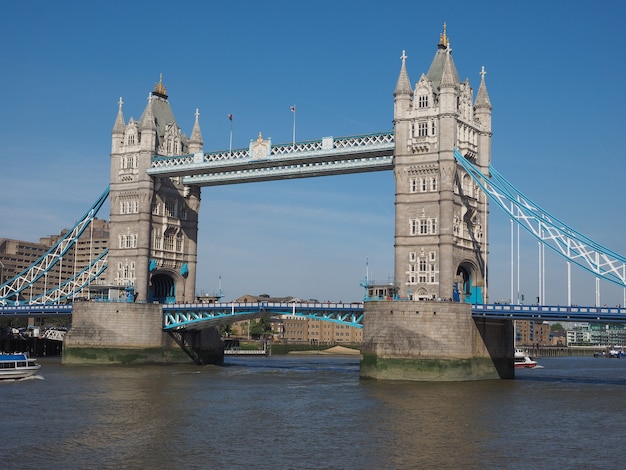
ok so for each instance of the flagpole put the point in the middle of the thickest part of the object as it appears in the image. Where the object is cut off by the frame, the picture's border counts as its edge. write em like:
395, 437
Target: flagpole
293, 109
230, 144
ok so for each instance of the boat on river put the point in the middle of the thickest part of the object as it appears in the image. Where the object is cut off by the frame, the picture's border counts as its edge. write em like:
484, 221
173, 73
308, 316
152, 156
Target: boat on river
523, 360
17, 366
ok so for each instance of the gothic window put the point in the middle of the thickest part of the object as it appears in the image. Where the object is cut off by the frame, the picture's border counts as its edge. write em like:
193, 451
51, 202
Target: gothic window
157, 241
413, 184
168, 243
156, 208
179, 242
433, 183
413, 226
432, 256
422, 265
412, 256
422, 129
423, 101
433, 128
131, 139
170, 208
423, 226
433, 226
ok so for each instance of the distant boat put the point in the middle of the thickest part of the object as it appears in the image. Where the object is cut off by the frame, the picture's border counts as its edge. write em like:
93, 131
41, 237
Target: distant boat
17, 366
523, 360
617, 353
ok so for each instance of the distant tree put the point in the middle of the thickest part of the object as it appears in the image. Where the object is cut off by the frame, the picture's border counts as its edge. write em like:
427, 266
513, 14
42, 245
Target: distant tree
260, 328
556, 327
226, 330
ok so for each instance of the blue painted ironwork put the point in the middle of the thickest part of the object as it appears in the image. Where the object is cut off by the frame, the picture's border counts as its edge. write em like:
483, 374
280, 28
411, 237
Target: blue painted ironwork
547, 229
10, 290
190, 316
199, 316
327, 156
35, 310
550, 313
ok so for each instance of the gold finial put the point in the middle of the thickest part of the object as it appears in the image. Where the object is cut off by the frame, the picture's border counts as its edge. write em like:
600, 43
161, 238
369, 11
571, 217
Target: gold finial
259, 139
443, 37
159, 89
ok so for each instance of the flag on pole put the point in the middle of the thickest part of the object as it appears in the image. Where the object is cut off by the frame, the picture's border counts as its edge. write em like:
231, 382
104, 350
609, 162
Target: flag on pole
230, 117
293, 109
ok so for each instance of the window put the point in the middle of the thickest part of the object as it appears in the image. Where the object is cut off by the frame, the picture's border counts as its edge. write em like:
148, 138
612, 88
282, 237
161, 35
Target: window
422, 129
423, 184
412, 256
422, 265
423, 226
423, 101
413, 184
170, 208
433, 183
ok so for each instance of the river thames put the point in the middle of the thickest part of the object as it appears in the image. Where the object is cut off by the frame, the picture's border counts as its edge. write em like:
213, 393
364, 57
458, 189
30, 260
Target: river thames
312, 412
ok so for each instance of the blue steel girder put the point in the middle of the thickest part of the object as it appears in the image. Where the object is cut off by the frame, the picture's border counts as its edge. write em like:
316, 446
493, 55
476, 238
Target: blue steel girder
550, 313
547, 229
10, 290
324, 157
76, 283
199, 316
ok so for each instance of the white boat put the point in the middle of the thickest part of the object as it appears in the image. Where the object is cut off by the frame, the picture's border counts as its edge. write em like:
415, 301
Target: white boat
17, 366
523, 360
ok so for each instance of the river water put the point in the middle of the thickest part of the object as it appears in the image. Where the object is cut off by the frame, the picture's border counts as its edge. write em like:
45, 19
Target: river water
310, 412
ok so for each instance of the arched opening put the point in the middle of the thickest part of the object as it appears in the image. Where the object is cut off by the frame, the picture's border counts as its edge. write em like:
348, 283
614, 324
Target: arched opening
465, 289
162, 289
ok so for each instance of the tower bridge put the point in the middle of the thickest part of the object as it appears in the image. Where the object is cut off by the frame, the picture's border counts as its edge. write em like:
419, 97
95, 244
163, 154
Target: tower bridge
440, 154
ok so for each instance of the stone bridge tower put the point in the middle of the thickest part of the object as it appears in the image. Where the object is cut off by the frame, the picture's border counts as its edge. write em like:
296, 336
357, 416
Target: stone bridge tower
154, 221
441, 215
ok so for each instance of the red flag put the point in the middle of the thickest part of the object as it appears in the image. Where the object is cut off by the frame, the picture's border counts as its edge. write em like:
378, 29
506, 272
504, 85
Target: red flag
293, 108
230, 117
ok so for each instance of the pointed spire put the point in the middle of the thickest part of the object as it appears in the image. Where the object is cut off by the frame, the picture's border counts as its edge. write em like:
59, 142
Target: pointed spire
403, 86
118, 127
148, 115
195, 141
482, 97
448, 75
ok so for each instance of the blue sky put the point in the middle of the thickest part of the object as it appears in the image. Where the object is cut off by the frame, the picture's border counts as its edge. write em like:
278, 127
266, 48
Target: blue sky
555, 73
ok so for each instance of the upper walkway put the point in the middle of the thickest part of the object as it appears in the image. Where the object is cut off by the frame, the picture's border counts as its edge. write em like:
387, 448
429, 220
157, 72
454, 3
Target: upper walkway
266, 162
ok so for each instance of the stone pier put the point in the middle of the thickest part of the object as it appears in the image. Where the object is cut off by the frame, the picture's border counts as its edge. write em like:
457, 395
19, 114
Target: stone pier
127, 333
434, 341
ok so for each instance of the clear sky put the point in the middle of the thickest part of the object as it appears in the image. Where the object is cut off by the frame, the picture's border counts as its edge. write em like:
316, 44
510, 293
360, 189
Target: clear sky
555, 77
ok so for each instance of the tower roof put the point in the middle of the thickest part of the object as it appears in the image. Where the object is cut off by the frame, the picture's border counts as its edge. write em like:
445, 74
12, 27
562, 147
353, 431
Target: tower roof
443, 55
158, 110
403, 86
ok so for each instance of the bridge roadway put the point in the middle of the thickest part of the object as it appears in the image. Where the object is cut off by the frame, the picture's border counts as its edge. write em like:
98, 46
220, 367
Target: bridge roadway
196, 316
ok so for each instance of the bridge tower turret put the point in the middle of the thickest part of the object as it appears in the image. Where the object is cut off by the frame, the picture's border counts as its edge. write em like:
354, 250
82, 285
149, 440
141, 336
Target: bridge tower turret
153, 221
441, 216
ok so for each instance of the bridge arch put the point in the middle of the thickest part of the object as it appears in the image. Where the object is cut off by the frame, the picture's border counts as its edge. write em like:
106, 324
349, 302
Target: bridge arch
467, 289
162, 288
